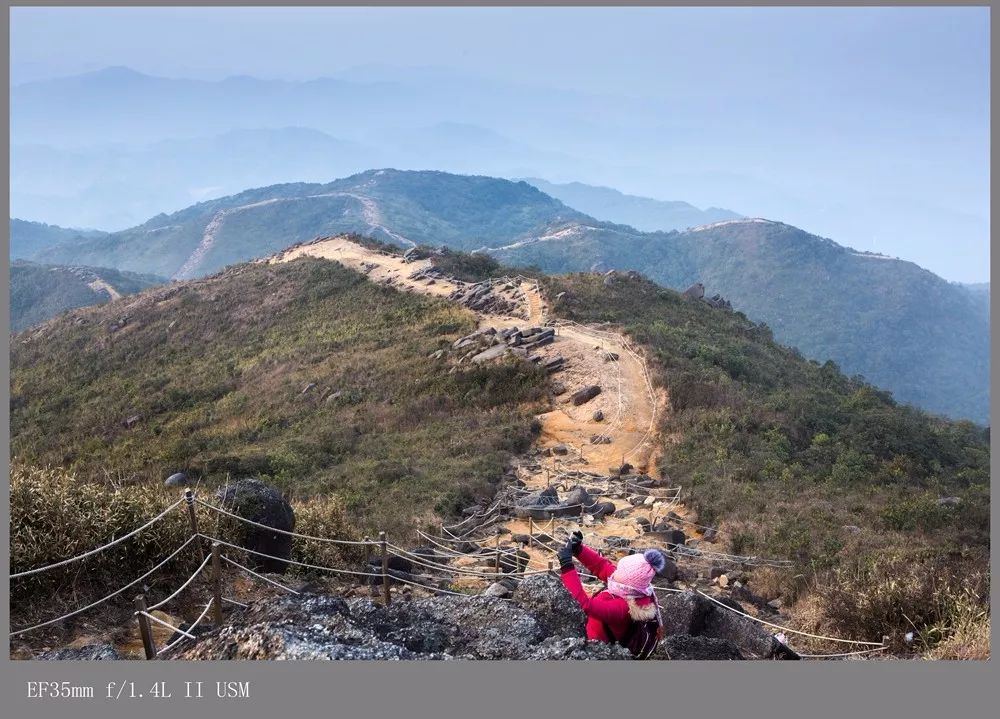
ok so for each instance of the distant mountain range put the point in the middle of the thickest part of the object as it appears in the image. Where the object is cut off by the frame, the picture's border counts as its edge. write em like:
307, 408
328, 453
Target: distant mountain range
642, 213
40, 292
902, 327
29, 238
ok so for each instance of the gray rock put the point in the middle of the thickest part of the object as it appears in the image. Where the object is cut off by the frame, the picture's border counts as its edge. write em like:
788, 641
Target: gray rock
602, 509
579, 649
598, 416
178, 479
497, 590
261, 503
695, 291
585, 395
89, 652
685, 647
555, 611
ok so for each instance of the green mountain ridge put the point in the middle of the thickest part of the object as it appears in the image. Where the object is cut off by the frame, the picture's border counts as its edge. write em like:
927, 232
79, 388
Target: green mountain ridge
900, 326
40, 292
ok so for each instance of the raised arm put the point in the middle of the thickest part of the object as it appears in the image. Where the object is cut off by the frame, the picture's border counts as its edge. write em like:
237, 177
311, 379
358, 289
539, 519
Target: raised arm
595, 563
609, 612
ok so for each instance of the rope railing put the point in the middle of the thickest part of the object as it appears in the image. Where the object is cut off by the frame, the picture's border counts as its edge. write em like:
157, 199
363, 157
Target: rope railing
102, 548
506, 555
181, 588
108, 596
786, 629
168, 625
256, 574
191, 627
220, 510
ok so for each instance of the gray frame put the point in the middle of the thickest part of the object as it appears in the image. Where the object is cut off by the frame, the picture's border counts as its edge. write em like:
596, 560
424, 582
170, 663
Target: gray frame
503, 689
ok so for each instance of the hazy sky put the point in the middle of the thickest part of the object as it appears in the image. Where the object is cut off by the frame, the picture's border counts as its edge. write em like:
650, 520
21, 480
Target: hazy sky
886, 105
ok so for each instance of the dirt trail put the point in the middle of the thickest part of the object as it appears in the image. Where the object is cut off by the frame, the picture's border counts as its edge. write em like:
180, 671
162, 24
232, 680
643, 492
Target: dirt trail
632, 408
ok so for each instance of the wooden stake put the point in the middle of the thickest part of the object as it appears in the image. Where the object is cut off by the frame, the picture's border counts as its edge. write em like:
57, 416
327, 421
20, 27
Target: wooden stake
551, 571
193, 518
386, 596
498, 555
217, 585
531, 531
144, 629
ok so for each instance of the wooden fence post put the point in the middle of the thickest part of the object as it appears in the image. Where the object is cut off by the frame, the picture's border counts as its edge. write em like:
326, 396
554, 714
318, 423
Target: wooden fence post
217, 582
144, 629
498, 555
385, 570
531, 531
189, 498
551, 571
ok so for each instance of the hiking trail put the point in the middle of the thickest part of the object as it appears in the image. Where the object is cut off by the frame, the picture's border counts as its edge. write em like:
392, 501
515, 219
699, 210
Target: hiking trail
632, 407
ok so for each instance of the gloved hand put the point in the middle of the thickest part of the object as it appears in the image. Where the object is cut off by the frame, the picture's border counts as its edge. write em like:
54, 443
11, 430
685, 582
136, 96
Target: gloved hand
566, 556
576, 542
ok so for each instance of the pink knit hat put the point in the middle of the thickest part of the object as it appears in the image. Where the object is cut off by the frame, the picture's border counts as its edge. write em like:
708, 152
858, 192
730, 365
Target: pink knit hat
634, 574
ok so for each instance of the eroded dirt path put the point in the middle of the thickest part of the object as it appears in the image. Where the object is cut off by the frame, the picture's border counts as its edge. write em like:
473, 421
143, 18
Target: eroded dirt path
624, 417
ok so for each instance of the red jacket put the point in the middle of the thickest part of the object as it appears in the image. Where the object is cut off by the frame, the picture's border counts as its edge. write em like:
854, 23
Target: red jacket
604, 607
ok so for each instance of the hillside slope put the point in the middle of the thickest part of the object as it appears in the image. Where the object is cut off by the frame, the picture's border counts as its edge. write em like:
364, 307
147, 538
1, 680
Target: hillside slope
303, 373
902, 327
306, 374
40, 292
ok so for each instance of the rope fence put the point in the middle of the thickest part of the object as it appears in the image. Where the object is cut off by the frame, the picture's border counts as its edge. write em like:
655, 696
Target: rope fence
508, 563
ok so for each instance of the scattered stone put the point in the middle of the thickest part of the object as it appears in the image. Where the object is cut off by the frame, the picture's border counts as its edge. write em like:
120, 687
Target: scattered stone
585, 395
710, 534
560, 449
695, 291
949, 501
598, 416
497, 589
132, 421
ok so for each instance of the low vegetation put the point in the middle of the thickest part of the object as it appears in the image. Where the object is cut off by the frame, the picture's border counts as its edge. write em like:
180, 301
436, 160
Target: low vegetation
40, 292
793, 459
303, 374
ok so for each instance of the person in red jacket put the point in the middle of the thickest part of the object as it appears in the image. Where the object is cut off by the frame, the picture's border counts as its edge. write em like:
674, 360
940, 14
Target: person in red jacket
629, 597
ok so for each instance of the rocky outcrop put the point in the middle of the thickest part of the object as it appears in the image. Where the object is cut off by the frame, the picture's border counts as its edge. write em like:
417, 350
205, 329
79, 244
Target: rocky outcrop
540, 621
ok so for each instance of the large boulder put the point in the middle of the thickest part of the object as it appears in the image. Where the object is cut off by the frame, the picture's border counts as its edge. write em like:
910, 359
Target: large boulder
689, 613
585, 395
686, 647
263, 504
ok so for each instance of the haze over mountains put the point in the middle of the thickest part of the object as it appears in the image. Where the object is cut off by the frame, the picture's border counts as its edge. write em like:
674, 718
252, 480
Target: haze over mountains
902, 327
112, 147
